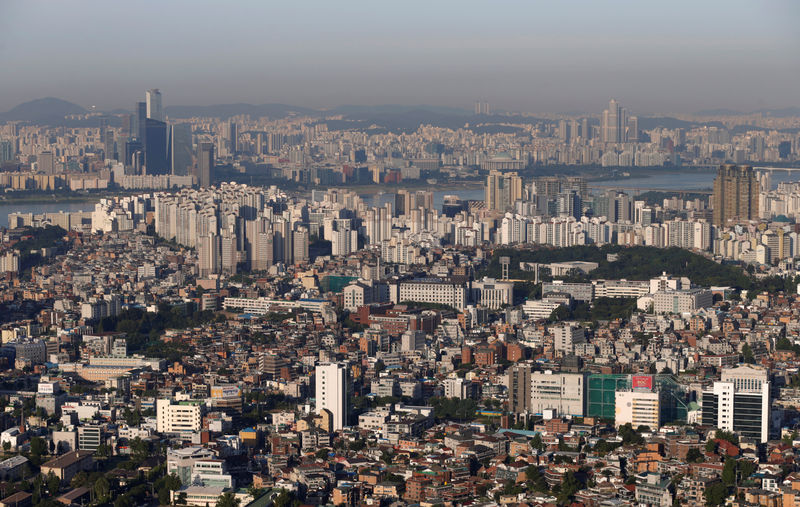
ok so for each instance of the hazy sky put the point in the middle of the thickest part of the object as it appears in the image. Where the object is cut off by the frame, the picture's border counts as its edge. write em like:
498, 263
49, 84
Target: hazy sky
548, 56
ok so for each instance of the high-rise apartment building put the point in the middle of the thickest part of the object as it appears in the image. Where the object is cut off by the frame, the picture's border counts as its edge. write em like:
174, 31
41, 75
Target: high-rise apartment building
736, 191
616, 126
331, 392
180, 149
612, 124
502, 190
153, 102
205, 164
519, 388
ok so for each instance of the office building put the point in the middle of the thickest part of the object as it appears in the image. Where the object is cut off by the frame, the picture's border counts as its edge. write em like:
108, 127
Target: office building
153, 104
682, 301
430, 290
736, 191
563, 392
205, 164
140, 121
155, 147
739, 402
332, 393
89, 437
493, 294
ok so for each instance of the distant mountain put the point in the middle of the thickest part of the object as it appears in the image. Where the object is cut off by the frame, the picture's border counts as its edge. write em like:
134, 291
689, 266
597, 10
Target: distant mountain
396, 109
782, 112
228, 110
42, 111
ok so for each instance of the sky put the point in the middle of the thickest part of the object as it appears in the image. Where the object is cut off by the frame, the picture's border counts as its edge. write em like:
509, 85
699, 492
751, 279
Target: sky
534, 56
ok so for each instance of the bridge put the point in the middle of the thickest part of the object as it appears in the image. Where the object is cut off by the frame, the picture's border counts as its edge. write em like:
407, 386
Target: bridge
679, 191
781, 169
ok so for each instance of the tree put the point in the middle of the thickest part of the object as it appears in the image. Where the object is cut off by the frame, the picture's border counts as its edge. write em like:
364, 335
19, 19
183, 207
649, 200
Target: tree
729, 471
53, 484
125, 501
711, 445
80, 479
284, 499
746, 468
139, 449
103, 450
322, 454
228, 500
102, 489
536, 442
254, 491
715, 494
694, 455
747, 354
569, 486
38, 446
727, 436
6, 446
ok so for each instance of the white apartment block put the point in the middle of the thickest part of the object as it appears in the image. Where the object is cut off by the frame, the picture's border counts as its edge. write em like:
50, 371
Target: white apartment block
637, 408
431, 290
180, 417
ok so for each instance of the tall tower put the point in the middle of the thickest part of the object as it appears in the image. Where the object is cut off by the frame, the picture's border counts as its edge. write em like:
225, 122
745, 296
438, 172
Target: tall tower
180, 148
735, 194
155, 147
141, 121
331, 392
153, 101
502, 190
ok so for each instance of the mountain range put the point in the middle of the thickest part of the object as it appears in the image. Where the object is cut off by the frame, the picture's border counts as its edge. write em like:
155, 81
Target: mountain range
52, 111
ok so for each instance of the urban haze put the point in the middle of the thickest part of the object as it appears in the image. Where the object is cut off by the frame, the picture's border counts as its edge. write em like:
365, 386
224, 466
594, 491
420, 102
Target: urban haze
435, 254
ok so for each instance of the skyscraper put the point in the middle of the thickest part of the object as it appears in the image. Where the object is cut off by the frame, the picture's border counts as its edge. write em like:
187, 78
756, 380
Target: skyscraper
180, 149
155, 147
735, 194
205, 164
153, 101
140, 121
502, 190
230, 137
331, 392
614, 123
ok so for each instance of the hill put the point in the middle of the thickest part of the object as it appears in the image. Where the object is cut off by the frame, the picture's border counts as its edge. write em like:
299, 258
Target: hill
229, 110
634, 263
42, 111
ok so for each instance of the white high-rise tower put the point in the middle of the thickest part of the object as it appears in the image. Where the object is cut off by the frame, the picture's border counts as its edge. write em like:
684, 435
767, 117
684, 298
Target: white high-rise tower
331, 395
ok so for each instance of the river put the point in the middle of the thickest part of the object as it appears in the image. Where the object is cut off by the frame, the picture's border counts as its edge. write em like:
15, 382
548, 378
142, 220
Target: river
42, 207
682, 181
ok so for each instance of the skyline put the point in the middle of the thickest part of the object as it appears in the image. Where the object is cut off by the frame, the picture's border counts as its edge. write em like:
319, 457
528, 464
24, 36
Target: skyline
534, 58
